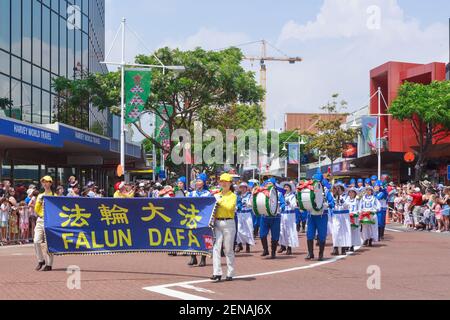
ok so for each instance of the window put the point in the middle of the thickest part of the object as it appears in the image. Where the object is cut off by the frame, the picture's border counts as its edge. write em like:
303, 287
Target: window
4, 24
26, 29
26, 106
46, 38
37, 33
36, 116
16, 28
4, 62
55, 43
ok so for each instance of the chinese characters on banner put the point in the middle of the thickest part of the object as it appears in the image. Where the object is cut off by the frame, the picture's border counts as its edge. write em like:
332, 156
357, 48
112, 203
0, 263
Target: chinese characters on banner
86, 226
137, 91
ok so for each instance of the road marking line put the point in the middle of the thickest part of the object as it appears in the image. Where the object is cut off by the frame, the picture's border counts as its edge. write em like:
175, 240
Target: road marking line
394, 230
164, 289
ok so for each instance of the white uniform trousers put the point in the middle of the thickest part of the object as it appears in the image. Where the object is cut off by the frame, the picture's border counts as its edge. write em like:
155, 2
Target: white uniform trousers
288, 234
245, 228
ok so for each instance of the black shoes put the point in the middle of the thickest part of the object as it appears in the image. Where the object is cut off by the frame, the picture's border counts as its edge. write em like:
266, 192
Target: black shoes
39, 266
47, 268
289, 251
202, 262
216, 279
265, 245
274, 250
193, 261
335, 251
282, 249
343, 251
247, 248
239, 248
321, 250
229, 279
352, 249
371, 243
310, 255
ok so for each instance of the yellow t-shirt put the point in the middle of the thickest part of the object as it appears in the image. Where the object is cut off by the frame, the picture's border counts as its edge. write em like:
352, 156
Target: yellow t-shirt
226, 208
119, 194
39, 208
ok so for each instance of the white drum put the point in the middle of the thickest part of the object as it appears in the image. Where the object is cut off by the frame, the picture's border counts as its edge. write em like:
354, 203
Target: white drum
265, 202
310, 197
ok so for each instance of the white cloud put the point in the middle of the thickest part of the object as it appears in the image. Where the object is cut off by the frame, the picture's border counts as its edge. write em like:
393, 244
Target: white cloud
209, 39
339, 51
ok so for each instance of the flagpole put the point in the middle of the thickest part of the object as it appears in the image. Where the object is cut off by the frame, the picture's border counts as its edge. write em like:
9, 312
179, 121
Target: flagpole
122, 109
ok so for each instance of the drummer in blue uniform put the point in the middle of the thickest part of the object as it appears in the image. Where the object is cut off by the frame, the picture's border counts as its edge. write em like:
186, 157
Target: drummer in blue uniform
201, 190
382, 195
318, 224
373, 181
272, 224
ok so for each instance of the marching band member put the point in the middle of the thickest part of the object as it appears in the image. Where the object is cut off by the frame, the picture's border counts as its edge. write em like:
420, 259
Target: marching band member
317, 224
182, 186
288, 226
353, 206
225, 228
341, 229
201, 190
381, 195
256, 219
245, 221
373, 181
367, 183
369, 206
360, 187
272, 224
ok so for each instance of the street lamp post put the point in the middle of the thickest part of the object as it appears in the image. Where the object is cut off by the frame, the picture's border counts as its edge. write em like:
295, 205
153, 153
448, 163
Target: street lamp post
122, 64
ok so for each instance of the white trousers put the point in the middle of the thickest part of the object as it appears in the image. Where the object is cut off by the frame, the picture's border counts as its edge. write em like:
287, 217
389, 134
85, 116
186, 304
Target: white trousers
39, 242
288, 234
356, 237
370, 231
225, 231
245, 228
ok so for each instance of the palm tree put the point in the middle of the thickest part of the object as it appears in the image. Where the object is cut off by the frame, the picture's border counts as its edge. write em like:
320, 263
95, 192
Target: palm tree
5, 103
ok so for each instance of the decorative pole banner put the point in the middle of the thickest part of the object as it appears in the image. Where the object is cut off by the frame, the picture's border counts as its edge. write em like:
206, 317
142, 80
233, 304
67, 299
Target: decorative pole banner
75, 226
137, 91
293, 153
369, 134
162, 132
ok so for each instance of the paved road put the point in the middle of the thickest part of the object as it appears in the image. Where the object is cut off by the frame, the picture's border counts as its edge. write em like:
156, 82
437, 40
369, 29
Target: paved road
412, 265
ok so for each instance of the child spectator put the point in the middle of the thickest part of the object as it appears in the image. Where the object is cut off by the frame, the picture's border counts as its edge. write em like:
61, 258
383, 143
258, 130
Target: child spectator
32, 214
4, 218
13, 224
24, 222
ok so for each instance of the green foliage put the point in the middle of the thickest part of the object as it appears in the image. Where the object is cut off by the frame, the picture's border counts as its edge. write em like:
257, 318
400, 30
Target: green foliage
332, 137
5, 103
427, 108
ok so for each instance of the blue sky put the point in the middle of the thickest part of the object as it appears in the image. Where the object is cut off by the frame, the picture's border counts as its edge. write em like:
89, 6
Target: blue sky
331, 35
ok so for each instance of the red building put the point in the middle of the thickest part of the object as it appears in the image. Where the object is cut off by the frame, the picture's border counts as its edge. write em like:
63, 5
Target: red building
401, 139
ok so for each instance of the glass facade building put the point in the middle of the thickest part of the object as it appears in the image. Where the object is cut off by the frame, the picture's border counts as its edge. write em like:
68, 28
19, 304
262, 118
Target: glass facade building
44, 39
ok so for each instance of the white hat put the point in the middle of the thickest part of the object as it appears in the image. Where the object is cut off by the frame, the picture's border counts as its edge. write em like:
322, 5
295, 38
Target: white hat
122, 184
417, 189
142, 185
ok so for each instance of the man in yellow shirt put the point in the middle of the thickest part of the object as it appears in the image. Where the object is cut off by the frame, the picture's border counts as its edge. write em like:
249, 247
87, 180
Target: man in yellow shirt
39, 231
224, 228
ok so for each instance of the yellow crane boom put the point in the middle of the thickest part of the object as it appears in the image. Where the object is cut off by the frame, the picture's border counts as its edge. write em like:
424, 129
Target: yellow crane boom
263, 58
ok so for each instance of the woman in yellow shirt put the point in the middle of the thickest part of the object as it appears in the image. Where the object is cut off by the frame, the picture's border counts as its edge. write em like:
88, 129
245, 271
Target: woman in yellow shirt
224, 228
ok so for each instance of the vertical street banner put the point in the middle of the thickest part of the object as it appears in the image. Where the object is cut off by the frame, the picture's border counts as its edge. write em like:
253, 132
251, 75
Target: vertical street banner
137, 91
162, 132
369, 135
293, 153
106, 225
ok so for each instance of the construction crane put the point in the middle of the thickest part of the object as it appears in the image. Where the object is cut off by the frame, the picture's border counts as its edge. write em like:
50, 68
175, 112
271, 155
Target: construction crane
263, 58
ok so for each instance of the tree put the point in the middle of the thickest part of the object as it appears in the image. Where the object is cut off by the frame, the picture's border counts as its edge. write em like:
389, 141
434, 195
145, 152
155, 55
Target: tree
5, 103
331, 136
427, 108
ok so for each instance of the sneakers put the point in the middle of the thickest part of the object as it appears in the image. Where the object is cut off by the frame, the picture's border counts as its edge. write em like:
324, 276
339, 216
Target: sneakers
47, 268
216, 279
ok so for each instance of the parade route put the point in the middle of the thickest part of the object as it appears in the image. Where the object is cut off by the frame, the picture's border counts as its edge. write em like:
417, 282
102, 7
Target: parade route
404, 262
